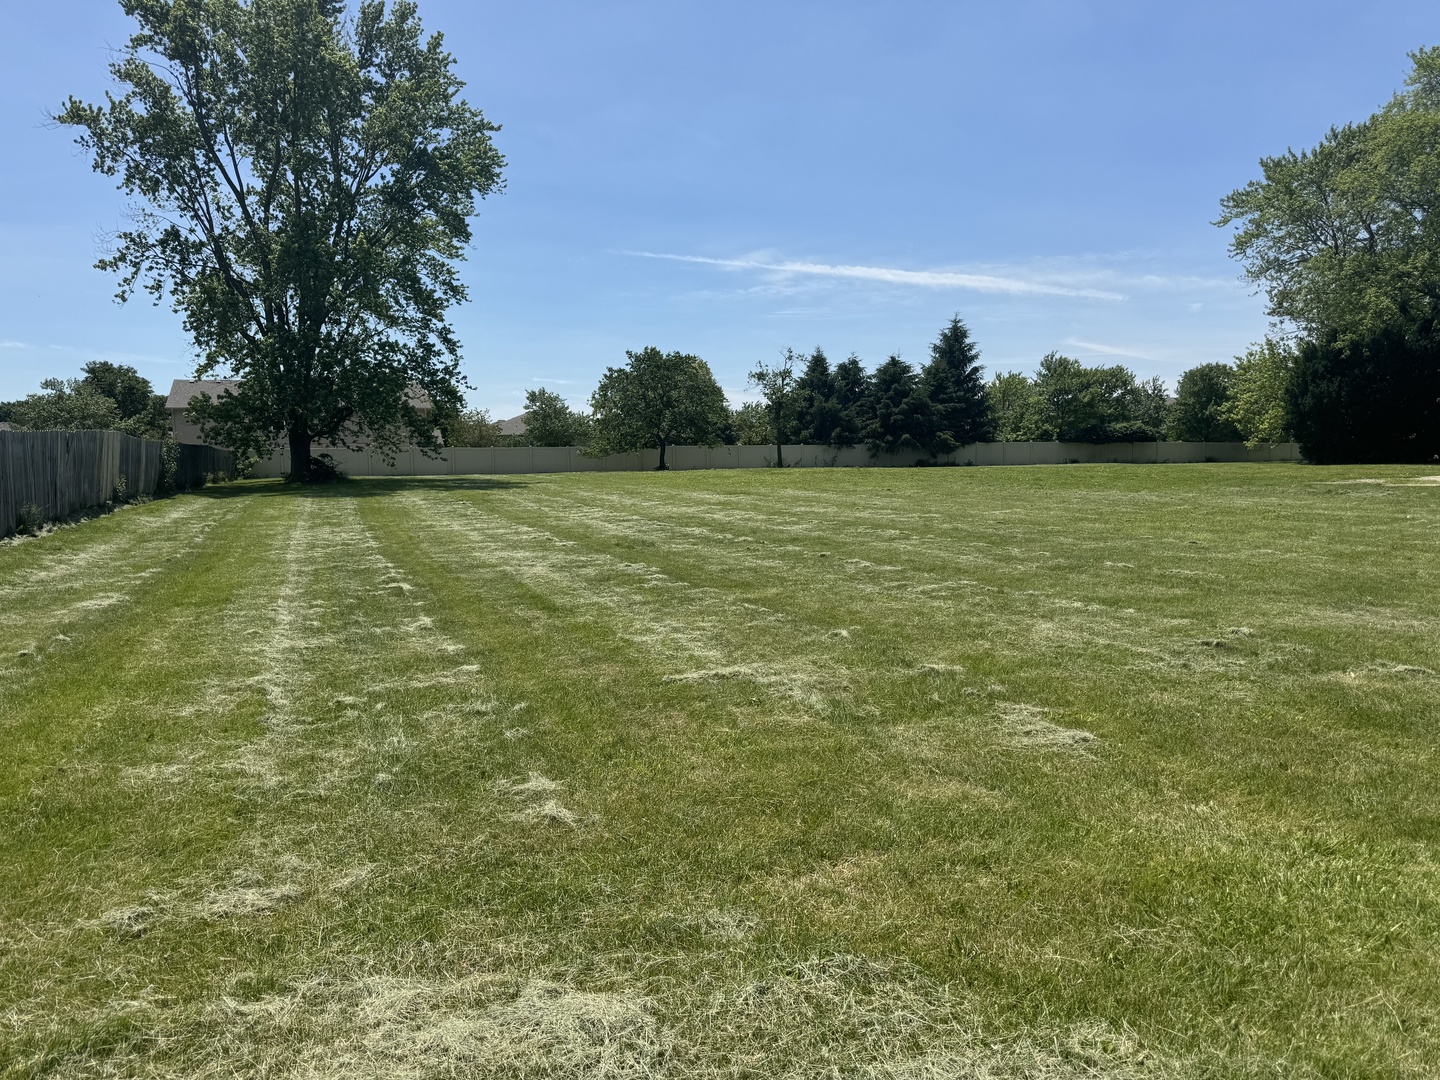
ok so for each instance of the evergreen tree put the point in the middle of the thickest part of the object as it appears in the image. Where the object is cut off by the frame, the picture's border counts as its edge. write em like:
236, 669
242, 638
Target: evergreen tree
816, 415
901, 415
1371, 400
851, 402
954, 384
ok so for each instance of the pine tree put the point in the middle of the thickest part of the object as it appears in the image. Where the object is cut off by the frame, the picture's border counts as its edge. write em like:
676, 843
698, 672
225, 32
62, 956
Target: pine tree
851, 402
901, 414
816, 415
956, 388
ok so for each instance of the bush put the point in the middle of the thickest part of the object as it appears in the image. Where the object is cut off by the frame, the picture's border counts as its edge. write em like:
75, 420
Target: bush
31, 517
323, 470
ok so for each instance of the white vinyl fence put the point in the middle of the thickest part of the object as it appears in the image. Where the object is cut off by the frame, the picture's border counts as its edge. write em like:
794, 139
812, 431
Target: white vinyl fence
472, 461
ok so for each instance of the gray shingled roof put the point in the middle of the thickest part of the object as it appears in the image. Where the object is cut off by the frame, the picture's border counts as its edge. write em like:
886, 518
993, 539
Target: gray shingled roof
184, 391
516, 425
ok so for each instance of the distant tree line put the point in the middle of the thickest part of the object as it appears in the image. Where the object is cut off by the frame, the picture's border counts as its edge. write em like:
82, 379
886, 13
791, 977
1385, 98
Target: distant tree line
658, 400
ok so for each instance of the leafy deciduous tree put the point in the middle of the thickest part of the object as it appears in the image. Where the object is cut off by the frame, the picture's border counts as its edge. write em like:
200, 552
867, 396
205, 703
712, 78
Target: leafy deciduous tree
750, 424
1345, 237
1257, 393
657, 400
306, 181
776, 383
549, 421
1201, 402
1080, 404
67, 405
1014, 407
468, 427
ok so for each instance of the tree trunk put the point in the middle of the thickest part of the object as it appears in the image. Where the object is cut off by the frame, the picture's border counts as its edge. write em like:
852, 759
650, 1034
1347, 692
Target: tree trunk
661, 466
779, 458
299, 451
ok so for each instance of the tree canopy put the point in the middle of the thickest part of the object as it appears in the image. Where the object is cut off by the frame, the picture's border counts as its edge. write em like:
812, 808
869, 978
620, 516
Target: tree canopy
304, 182
657, 400
1375, 398
1257, 405
1344, 238
108, 397
549, 421
1200, 412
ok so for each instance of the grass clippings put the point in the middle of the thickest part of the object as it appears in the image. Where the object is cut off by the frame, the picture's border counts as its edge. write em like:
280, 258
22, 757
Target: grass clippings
270, 809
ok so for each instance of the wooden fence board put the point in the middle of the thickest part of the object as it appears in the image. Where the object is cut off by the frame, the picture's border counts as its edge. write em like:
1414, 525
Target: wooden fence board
62, 472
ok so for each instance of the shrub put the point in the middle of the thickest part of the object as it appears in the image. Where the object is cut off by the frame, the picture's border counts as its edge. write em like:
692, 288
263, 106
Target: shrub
323, 470
31, 517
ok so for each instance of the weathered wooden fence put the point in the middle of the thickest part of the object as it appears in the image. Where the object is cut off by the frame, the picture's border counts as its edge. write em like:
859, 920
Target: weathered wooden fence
467, 461
51, 474
197, 464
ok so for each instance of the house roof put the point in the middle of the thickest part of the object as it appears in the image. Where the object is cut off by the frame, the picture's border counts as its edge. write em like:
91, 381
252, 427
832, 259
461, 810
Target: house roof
184, 391
516, 425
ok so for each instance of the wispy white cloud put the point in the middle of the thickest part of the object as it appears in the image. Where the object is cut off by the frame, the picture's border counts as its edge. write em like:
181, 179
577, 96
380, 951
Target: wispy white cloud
1108, 350
931, 279
13, 345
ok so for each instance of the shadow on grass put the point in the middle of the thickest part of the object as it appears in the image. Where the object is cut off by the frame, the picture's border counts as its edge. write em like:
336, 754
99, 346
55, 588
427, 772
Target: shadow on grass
362, 488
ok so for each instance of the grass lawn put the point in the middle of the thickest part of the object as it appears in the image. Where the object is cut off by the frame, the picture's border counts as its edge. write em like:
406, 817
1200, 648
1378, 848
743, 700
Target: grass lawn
1111, 771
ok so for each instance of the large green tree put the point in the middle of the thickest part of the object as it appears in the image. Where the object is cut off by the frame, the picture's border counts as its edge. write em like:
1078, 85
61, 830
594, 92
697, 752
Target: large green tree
954, 383
1014, 407
657, 400
1344, 238
304, 181
66, 405
1373, 399
1075, 403
816, 414
852, 404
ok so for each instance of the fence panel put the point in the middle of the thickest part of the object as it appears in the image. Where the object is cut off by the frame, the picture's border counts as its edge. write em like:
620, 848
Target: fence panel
462, 461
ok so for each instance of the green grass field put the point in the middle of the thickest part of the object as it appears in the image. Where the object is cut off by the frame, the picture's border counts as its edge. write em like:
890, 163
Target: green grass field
1019, 772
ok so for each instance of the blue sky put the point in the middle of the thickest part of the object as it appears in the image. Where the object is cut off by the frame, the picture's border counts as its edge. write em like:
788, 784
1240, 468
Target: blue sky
731, 179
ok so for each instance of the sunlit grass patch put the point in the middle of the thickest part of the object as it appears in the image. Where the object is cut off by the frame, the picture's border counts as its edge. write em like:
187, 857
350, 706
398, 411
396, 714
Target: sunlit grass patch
1070, 772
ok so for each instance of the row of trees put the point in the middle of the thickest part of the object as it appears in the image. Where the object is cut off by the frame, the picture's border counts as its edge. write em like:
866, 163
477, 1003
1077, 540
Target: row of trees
108, 397
662, 399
